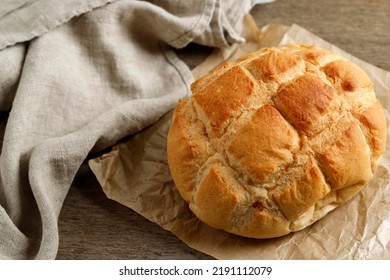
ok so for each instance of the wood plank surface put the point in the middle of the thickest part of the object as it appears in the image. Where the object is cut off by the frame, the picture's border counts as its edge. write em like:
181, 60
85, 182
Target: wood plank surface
94, 227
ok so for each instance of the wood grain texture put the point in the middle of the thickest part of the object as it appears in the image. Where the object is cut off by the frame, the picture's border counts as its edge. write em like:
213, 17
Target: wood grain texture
94, 227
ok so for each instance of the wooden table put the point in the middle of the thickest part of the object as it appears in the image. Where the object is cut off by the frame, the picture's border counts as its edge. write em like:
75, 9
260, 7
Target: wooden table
94, 227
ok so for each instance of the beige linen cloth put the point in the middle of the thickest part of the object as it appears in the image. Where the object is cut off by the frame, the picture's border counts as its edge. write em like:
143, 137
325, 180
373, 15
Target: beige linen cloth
76, 76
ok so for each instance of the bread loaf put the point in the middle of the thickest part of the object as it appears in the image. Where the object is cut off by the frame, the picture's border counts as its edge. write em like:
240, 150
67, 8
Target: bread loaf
273, 142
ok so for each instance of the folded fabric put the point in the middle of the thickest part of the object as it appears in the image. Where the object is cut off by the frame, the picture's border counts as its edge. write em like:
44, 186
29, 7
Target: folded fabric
76, 86
22, 20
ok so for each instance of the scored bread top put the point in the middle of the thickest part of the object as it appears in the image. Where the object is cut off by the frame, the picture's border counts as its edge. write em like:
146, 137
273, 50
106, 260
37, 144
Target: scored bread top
271, 143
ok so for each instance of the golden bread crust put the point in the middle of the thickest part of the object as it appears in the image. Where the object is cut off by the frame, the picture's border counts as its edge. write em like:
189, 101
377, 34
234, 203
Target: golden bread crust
295, 199
212, 99
215, 199
303, 101
271, 143
270, 139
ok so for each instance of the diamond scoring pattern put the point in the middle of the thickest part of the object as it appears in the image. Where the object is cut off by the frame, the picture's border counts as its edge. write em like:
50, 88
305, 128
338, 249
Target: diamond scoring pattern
280, 138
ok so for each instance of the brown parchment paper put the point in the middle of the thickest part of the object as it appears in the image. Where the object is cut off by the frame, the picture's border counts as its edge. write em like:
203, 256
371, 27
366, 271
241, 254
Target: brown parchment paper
135, 173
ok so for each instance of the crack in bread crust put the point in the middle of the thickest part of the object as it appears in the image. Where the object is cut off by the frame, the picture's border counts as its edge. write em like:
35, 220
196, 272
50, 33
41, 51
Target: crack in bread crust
285, 135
